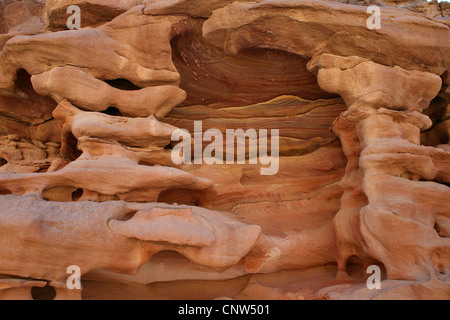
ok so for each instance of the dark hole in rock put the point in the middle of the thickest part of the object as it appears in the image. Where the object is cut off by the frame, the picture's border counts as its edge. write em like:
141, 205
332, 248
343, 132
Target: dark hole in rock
441, 230
5, 192
178, 196
128, 215
355, 267
77, 194
69, 147
169, 147
58, 194
122, 84
44, 293
23, 87
3, 162
436, 227
113, 111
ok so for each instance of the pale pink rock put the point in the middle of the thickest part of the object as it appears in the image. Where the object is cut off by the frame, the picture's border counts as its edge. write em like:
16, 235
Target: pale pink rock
87, 178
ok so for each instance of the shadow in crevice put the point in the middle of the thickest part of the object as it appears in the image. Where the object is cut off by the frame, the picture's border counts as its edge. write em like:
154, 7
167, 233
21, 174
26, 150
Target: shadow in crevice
122, 84
62, 194
77, 194
44, 293
113, 111
178, 196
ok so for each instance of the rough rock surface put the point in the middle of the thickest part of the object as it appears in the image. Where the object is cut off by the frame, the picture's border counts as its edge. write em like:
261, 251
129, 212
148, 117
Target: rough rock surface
88, 178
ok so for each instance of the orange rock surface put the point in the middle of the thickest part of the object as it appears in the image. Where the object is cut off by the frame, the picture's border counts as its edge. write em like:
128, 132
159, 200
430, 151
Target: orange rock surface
87, 171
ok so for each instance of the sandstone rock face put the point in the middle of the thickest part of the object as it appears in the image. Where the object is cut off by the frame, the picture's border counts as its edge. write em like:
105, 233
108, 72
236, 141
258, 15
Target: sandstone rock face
193, 149
96, 11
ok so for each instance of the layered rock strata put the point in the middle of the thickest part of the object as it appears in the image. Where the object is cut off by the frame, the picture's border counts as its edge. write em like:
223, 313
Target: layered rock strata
87, 176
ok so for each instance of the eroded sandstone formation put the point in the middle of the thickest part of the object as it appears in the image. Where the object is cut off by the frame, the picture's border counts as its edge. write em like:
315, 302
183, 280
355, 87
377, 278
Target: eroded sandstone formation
87, 176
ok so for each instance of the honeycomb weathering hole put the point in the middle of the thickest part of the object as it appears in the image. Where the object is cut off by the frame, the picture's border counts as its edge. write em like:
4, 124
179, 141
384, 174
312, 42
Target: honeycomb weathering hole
178, 196
122, 84
77, 194
23, 82
62, 194
113, 111
43, 293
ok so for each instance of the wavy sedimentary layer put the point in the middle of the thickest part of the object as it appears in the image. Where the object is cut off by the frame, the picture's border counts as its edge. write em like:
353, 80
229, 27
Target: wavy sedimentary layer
360, 177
